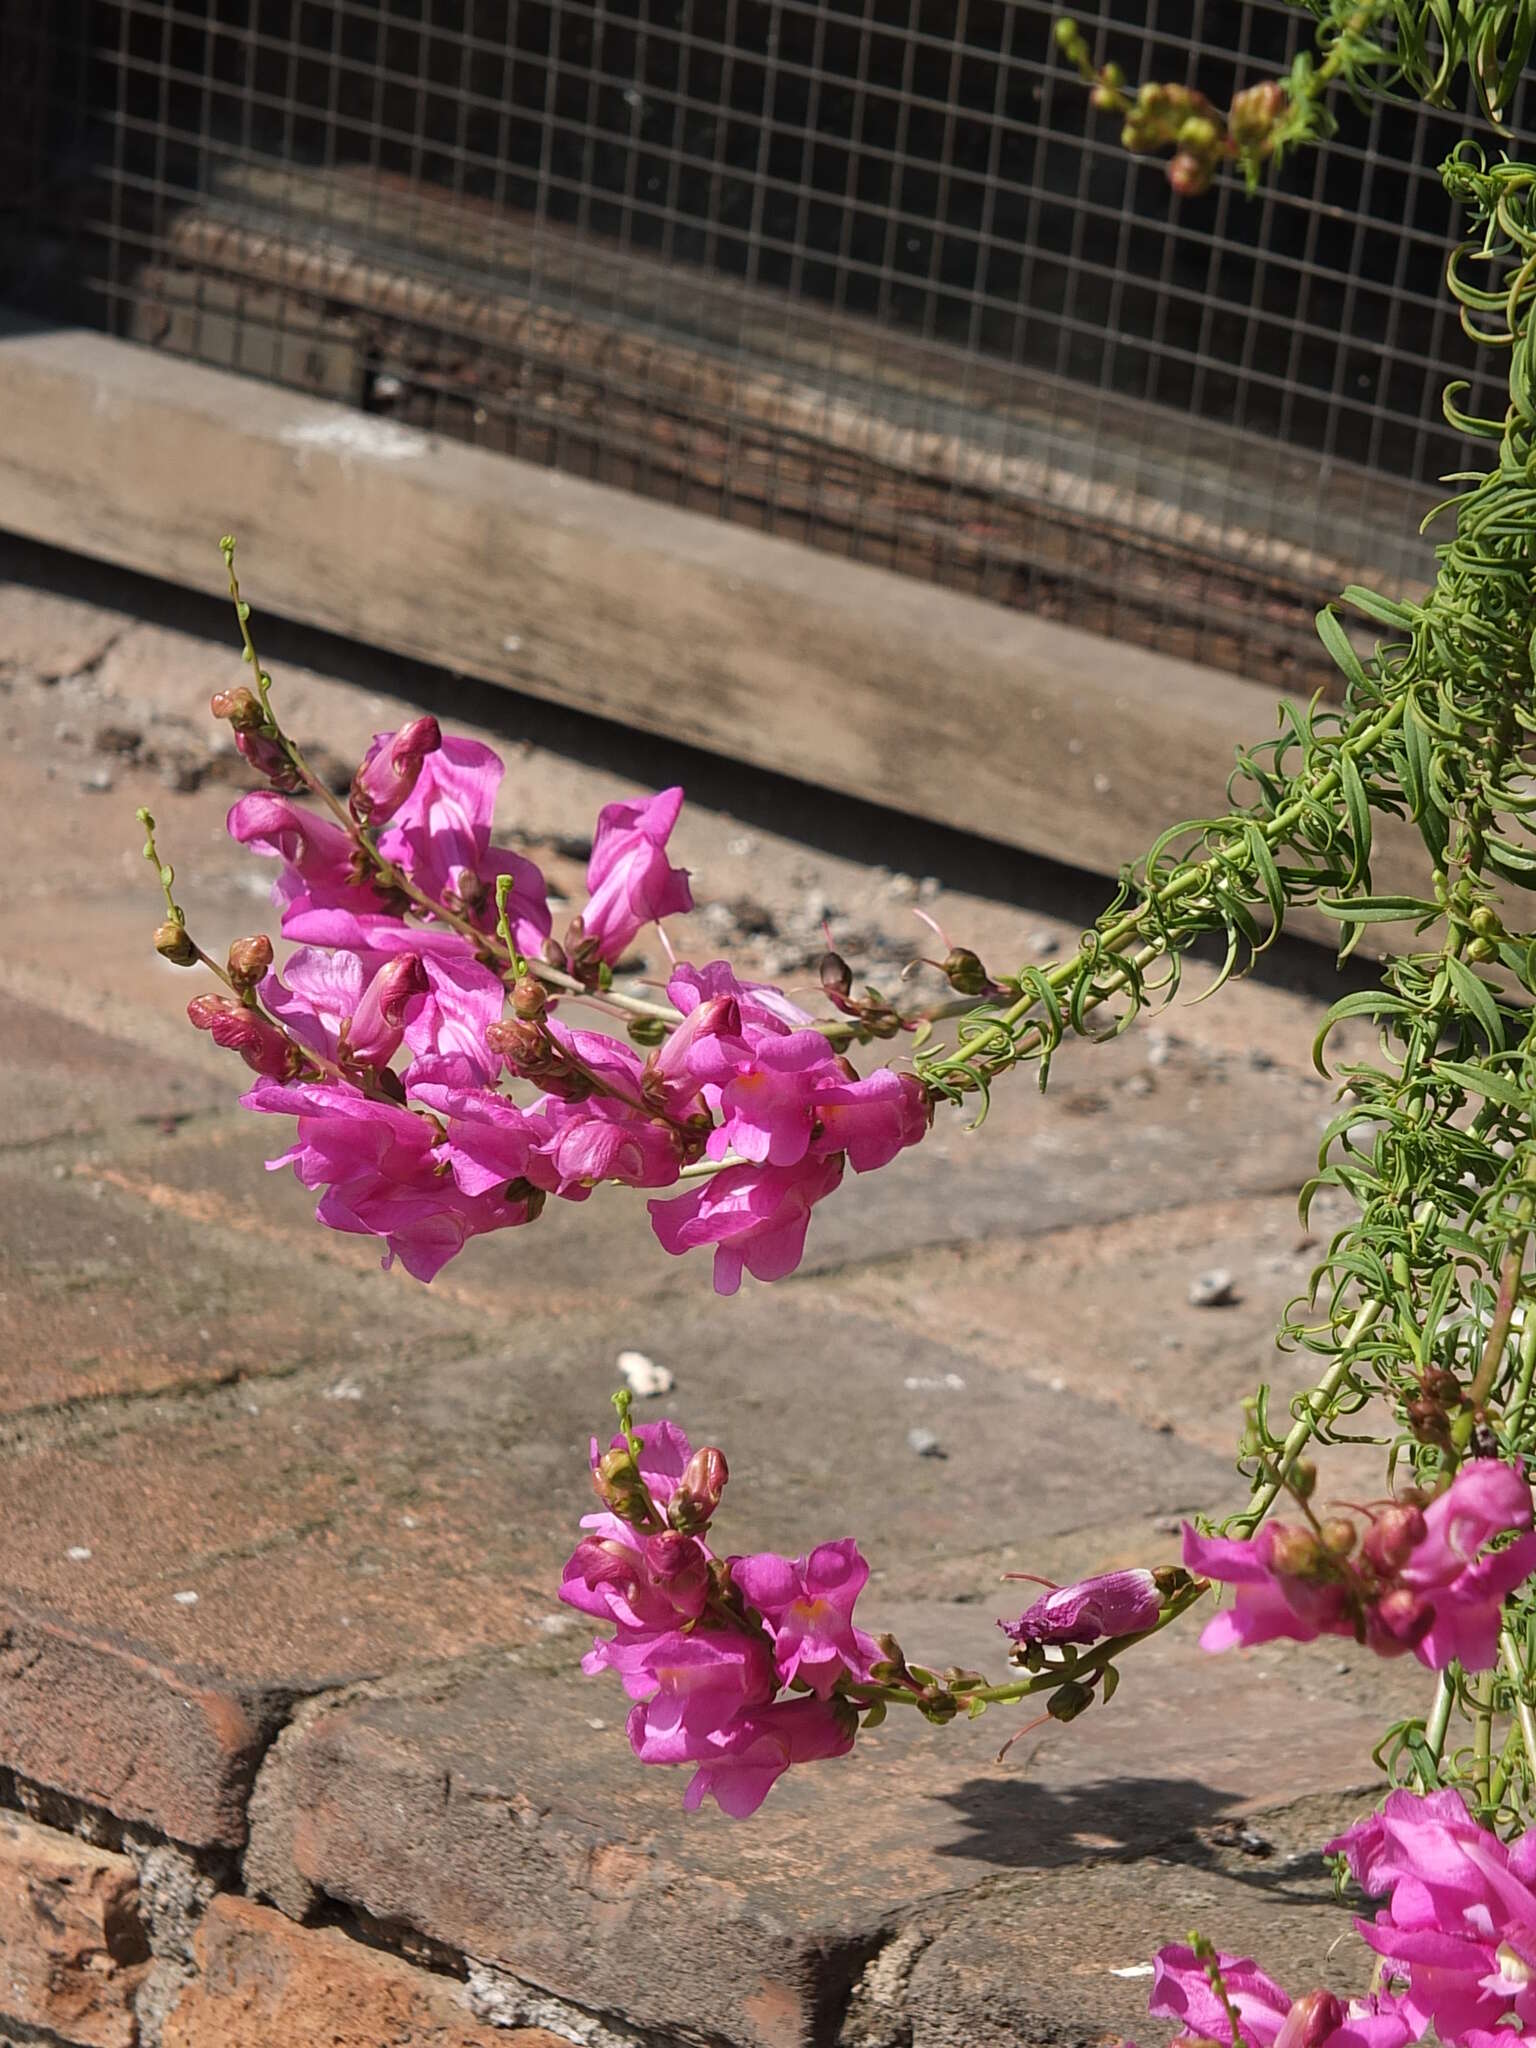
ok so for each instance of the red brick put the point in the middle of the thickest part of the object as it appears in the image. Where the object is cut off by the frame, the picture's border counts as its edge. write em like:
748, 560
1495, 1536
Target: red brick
73, 1949
90, 1715
262, 1981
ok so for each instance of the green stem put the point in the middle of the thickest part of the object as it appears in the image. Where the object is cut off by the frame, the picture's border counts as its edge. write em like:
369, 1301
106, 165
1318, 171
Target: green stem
1519, 1678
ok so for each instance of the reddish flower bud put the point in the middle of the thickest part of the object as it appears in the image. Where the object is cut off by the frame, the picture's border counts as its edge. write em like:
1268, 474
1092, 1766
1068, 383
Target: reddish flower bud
1339, 1536
245, 1031
1392, 1538
1403, 1618
390, 768
378, 1024
249, 960
699, 1490
242, 707
1189, 175
836, 977
1311, 2021
528, 998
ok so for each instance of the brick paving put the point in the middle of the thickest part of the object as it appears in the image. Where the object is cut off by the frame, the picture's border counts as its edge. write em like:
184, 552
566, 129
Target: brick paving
277, 1625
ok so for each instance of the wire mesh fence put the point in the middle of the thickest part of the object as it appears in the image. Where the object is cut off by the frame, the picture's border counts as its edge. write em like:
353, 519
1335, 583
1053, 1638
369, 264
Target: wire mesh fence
868, 274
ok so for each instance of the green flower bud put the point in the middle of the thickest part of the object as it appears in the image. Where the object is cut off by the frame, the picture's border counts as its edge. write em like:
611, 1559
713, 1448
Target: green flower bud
173, 944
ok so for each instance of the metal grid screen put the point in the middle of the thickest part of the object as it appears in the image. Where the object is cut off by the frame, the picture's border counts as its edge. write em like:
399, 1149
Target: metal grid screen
867, 273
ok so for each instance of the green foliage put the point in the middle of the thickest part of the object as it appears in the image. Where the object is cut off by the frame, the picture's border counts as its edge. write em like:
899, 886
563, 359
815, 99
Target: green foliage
1418, 1310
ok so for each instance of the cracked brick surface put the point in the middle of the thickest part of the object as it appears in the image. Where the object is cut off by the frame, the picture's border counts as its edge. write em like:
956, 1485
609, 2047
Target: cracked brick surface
282, 1532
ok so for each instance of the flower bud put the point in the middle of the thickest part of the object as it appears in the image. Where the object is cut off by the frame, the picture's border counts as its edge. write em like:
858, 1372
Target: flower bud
1440, 1385
1200, 134
964, 972
528, 998
1482, 949
617, 1482
1068, 1701
1292, 1553
1485, 922
245, 1031
1393, 1537
1339, 1536
390, 769
1404, 1618
249, 960
836, 977
242, 707
1189, 175
699, 1490
1312, 2021
678, 1563
1254, 112
521, 1041
647, 1031
1303, 1478
172, 943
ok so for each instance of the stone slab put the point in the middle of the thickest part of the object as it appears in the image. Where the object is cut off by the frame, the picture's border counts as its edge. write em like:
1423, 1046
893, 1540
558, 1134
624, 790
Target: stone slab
73, 1948
486, 1808
262, 1981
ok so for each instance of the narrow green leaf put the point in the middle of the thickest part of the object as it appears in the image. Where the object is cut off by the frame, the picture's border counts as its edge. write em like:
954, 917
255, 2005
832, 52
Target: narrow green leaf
1383, 609
1357, 804
1331, 632
1490, 1082
1477, 999
1376, 909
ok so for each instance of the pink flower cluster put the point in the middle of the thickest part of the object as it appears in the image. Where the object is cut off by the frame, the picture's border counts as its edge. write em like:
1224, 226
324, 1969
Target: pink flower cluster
708, 1648
384, 1034
1420, 1579
1267, 2016
1456, 1938
1458, 1931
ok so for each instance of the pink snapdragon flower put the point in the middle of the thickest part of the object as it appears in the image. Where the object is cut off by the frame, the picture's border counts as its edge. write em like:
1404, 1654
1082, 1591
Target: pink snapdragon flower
763, 1085
380, 1174
703, 1670
1181, 1991
631, 882
440, 836
320, 865
759, 1004
1422, 1582
756, 1217
870, 1119
330, 1003
390, 768
1459, 1925
600, 1139
488, 1142
740, 1770
238, 1028
1111, 1604
808, 1605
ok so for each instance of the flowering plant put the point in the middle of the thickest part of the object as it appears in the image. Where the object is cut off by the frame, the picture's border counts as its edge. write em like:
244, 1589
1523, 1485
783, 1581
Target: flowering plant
451, 1063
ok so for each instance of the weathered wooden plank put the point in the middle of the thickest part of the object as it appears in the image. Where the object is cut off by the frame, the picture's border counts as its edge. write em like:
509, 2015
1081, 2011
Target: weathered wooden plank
846, 676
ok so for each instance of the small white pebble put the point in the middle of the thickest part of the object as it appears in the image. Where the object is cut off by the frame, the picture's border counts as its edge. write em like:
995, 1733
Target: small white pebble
930, 1383
643, 1376
409, 1522
1212, 1289
925, 1443
1101, 784
1057, 1384
1132, 1970
185, 1599
512, 643
594, 1722
77, 1553
344, 1390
